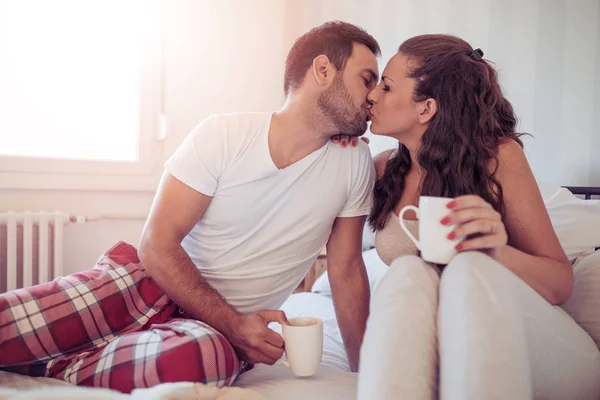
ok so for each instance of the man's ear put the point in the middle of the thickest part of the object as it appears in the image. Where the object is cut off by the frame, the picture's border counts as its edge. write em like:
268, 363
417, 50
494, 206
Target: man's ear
323, 70
428, 110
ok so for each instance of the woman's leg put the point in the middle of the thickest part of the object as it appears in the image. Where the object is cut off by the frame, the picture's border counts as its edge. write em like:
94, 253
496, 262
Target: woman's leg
499, 339
398, 358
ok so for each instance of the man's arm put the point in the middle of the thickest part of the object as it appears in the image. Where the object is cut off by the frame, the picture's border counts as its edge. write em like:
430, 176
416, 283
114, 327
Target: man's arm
176, 209
349, 283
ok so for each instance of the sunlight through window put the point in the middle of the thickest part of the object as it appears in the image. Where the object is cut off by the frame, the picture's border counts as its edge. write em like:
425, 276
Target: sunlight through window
70, 79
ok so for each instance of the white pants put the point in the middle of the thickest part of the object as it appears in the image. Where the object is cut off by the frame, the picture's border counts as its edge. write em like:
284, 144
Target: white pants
478, 331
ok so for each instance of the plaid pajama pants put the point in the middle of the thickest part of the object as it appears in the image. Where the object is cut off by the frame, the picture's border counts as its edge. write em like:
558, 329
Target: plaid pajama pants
112, 327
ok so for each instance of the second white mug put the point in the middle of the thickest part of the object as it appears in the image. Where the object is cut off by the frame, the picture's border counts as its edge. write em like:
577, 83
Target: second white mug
303, 345
434, 245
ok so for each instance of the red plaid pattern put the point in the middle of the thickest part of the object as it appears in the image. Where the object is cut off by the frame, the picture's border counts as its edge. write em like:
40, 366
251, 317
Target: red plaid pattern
111, 326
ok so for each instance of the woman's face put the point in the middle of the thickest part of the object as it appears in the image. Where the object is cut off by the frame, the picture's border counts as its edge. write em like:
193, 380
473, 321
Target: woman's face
394, 112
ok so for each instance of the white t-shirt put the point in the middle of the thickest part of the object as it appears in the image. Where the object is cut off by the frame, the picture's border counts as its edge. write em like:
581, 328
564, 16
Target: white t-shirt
264, 226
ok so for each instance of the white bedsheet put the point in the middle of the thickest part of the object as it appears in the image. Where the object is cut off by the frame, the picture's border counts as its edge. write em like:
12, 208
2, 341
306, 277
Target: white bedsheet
277, 382
168, 391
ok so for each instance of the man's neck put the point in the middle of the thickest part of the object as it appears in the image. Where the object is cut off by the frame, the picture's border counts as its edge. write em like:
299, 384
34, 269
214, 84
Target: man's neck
297, 131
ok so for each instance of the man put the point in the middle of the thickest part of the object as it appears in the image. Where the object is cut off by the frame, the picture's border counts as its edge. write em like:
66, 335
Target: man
245, 206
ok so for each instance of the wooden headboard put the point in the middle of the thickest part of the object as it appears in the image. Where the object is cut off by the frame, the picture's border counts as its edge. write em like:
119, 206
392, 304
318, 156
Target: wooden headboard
587, 191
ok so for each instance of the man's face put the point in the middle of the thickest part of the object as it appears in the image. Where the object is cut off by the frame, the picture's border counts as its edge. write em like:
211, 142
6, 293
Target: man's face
345, 101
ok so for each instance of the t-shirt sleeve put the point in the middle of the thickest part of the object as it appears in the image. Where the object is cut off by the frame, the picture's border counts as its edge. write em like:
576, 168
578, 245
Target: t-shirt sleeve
198, 160
360, 198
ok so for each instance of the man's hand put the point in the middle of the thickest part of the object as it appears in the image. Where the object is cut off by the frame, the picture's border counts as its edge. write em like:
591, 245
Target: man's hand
252, 339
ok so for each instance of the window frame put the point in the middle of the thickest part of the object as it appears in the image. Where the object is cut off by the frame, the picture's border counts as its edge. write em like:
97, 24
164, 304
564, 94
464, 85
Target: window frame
21, 172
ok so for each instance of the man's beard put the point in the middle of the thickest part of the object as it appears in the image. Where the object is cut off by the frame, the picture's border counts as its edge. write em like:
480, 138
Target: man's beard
337, 105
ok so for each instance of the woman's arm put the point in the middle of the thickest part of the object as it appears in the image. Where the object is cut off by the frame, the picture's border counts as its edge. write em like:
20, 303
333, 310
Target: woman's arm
523, 240
533, 252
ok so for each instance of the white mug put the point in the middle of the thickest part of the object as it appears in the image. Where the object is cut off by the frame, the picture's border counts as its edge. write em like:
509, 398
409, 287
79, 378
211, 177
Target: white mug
434, 245
303, 340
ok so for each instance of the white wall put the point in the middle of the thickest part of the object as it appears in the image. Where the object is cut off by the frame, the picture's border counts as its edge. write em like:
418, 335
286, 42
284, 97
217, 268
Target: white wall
223, 56
547, 53
84, 243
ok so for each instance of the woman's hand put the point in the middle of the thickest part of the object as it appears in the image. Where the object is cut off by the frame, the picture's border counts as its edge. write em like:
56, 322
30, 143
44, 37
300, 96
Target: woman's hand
345, 140
478, 223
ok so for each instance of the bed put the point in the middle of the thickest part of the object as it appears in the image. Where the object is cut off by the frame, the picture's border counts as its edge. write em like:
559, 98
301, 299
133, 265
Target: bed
586, 191
570, 216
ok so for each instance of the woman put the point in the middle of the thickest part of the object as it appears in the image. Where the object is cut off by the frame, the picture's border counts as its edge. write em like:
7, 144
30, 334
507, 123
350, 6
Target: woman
487, 324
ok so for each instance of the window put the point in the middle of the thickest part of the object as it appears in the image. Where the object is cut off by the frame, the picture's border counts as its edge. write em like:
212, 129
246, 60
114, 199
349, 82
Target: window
80, 91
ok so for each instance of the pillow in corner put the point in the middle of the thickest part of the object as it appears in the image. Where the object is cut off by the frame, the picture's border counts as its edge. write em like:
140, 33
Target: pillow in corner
575, 221
584, 304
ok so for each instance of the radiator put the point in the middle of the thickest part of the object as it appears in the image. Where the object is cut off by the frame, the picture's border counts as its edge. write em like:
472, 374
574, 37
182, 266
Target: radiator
31, 248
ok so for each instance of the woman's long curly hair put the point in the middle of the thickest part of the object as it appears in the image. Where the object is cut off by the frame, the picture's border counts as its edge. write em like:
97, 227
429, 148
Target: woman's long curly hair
473, 118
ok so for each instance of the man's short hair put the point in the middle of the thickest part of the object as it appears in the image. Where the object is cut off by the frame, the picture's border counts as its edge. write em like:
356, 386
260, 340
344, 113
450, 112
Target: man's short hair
334, 39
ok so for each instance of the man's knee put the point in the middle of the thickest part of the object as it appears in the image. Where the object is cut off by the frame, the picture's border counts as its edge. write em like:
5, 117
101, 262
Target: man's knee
199, 353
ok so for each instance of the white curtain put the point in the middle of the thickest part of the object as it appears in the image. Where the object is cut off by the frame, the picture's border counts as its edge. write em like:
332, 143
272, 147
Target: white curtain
547, 53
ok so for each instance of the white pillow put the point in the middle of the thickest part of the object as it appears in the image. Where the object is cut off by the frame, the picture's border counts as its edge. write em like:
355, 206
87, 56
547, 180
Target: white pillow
368, 239
375, 270
584, 304
575, 221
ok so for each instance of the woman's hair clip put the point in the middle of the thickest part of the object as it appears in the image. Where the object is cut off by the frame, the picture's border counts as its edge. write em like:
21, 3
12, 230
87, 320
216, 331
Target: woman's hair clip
477, 54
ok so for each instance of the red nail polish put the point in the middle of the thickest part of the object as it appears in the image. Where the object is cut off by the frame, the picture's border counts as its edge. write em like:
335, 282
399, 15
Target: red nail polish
445, 220
343, 144
451, 235
354, 144
451, 205
459, 247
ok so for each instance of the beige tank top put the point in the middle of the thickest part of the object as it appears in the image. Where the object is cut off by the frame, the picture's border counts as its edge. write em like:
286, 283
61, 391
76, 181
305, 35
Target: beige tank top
391, 242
